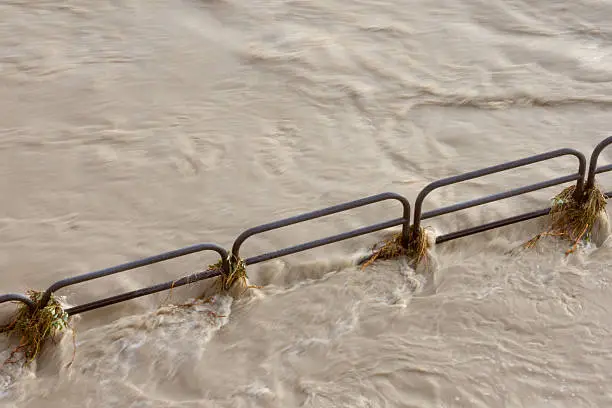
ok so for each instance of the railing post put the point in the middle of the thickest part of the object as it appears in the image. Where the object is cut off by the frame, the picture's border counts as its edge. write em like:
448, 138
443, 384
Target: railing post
590, 183
225, 264
406, 226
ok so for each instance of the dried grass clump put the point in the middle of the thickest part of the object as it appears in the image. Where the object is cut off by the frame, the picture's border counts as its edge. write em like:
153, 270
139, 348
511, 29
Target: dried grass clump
572, 218
236, 282
393, 248
35, 327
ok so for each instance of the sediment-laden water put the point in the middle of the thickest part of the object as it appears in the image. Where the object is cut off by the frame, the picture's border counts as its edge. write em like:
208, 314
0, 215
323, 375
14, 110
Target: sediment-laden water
132, 127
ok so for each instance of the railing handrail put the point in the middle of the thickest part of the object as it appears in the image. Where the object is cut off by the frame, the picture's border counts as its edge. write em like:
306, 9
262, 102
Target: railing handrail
131, 265
579, 176
404, 220
322, 213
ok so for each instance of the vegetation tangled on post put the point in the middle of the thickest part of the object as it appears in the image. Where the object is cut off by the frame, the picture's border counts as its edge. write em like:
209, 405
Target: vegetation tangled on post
35, 327
237, 275
393, 248
572, 218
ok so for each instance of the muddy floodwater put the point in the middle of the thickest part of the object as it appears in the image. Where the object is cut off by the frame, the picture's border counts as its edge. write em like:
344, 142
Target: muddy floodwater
132, 127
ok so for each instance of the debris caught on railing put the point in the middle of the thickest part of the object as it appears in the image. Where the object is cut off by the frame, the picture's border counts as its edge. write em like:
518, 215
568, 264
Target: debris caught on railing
236, 282
416, 249
573, 216
35, 327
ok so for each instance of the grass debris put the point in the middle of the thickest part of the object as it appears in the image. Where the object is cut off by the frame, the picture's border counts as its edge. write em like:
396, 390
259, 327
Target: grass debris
237, 275
35, 327
572, 218
393, 248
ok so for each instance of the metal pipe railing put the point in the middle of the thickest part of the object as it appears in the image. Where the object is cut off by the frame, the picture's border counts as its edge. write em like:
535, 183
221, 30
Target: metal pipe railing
590, 182
404, 221
228, 257
579, 176
133, 265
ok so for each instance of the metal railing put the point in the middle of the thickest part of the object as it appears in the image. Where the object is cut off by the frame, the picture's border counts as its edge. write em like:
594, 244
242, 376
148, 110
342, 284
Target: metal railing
404, 221
579, 176
584, 181
593, 169
138, 264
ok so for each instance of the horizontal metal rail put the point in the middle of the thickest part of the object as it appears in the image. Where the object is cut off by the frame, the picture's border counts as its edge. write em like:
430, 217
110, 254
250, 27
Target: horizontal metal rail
144, 292
492, 225
324, 241
404, 220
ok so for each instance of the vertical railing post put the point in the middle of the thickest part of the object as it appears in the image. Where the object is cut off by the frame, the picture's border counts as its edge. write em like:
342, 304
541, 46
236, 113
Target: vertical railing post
590, 183
406, 238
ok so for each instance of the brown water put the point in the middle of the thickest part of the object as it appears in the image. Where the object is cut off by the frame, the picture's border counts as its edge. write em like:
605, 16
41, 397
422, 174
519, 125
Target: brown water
133, 127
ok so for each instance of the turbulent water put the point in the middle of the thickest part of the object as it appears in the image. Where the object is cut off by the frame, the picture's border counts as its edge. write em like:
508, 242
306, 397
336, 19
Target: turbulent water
132, 127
